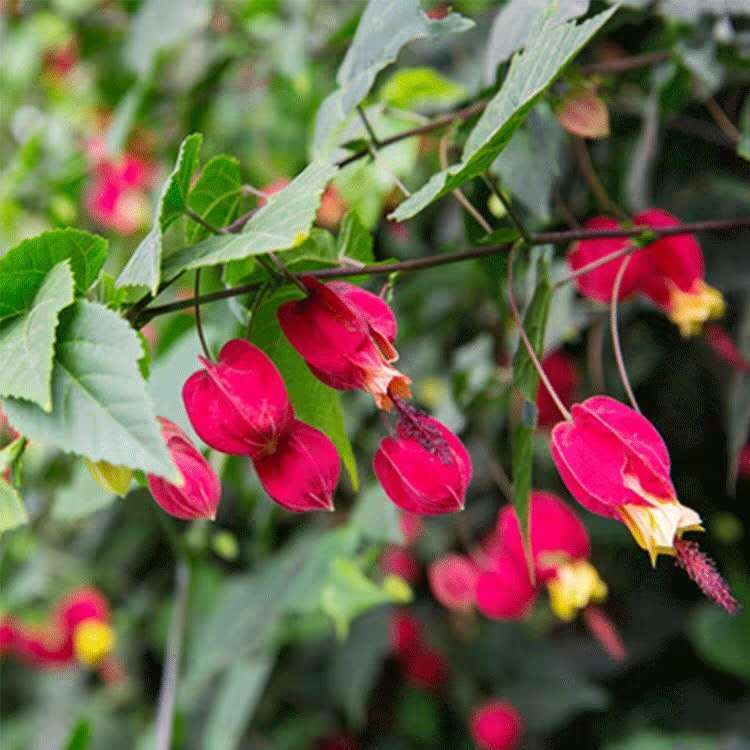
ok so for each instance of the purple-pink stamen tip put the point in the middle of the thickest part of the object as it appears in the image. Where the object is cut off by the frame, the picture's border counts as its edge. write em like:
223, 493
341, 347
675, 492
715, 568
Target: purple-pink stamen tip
701, 569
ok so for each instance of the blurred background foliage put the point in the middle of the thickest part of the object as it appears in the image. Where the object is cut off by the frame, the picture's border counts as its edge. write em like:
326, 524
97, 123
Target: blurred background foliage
288, 625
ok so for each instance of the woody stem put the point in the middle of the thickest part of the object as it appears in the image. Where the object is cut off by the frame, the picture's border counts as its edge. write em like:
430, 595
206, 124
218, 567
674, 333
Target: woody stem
527, 344
616, 334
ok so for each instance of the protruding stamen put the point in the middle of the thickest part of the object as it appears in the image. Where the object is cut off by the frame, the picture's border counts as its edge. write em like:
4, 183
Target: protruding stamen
415, 424
702, 571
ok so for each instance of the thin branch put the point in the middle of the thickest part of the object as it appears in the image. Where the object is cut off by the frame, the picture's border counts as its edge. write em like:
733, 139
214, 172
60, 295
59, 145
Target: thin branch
198, 219
441, 259
612, 66
198, 317
458, 194
616, 333
170, 673
525, 339
370, 131
498, 474
596, 186
292, 278
625, 64
720, 118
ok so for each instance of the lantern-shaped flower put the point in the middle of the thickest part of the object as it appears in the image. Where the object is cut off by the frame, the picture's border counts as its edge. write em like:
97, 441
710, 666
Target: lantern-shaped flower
560, 551
199, 494
302, 472
496, 725
238, 405
346, 335
615, 463
669, 271
425, 468
585, 114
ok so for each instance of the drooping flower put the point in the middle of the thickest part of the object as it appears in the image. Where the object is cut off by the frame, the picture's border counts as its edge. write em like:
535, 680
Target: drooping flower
425, 468
303, 470
585, 114
669, 271
77, 632
345, 335
504, 588
453, 580
561, 370
238, 405
199, 494
560, 551
598, 283
615, 463
496, 725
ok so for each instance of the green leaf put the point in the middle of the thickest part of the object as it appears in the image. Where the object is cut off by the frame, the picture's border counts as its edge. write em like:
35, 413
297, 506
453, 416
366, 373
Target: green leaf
160, 25
550, 48
358, 662
526, 380
282, 223
12, 510
27, 340
232, 630
376, 517
314, 402
101, 409
349, 594
238, 695
80, 736
354, 240
385, 27
215, 197
24, 267
144, 266
10, 452
81, 496
656, 740
306, 590
412, 88
514, 23
532, 162
723, 641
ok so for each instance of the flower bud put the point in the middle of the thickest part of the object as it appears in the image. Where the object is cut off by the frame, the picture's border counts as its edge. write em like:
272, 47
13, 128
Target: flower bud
303, 471
425, 468
238, 405
345, 335
199, 494
453, 580
585, 114
496, 726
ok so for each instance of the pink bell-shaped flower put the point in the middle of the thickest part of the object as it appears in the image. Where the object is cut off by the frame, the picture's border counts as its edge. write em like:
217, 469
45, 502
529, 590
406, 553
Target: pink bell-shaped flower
425, 468
238, 405
199, 494
346, 335
302, 472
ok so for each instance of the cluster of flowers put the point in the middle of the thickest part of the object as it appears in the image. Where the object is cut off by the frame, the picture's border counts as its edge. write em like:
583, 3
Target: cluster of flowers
78, 632
239, 405
117, 193
669, 271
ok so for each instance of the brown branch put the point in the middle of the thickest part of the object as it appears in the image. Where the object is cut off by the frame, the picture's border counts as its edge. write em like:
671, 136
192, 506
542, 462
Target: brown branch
625, 64
441, 259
